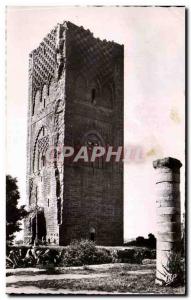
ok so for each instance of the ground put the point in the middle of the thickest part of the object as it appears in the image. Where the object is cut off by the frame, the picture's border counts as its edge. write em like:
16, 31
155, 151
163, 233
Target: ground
101, 279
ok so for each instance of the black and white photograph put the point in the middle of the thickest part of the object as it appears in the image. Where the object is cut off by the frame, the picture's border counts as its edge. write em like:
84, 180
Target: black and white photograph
96, 150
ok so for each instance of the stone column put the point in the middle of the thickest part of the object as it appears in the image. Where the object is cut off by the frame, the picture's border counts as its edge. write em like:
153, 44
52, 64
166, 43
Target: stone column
168, 217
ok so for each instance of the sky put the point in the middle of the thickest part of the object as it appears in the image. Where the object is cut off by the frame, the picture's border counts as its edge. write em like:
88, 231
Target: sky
154, 95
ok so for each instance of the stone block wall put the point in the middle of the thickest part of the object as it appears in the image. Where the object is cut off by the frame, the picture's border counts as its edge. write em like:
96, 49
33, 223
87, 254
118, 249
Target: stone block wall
75, 98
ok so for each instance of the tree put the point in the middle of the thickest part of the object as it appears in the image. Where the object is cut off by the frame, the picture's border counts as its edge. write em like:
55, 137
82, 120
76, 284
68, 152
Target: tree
14, 214
140, 240
151, 240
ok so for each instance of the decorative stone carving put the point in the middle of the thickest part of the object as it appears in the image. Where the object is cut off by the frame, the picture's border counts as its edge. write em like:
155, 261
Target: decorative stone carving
76, 193
43, 143
40, 147
59, 115
60, 59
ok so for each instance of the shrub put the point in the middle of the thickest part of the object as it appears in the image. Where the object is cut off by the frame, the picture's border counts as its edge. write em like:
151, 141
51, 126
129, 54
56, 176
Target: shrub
104, 256
78, 253
173, 272
153, 254
49, 259
130, 256
33, 257
142, 242
175, 267
135, 255
84, 252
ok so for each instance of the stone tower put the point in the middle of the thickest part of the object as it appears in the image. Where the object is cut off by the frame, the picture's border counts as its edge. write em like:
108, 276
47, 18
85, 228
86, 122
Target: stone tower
75, 98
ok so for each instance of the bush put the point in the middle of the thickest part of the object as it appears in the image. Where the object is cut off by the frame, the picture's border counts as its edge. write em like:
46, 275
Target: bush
130, 256
24, 257
175, 268
142, 242
49, 258
84, 252
135, 255
78, 253
153, 254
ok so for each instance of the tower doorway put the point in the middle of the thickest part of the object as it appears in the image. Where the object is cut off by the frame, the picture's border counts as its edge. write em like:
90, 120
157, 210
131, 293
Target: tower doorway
38, 227
92, 234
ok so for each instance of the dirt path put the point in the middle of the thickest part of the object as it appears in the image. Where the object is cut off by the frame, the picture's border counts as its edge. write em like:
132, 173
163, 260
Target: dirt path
19, 278
81, 268
36, 290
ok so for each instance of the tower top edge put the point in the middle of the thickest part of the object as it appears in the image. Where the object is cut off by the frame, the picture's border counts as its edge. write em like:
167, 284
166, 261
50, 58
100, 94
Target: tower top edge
67, 25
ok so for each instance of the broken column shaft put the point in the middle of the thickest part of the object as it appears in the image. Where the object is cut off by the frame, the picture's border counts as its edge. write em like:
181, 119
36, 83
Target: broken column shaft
168, 218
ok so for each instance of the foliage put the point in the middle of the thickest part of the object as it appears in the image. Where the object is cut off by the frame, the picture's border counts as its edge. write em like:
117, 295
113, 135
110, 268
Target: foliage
14, 214
173, 271
135, 255
142, 242
151, 241
33, 257
78, 253
175, 267
84, 252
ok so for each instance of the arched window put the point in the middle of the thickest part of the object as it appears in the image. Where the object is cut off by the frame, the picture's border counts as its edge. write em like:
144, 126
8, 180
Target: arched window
44, 95
94, 90
37, 101
93, 139
50, 88
92, 234
93, 96
40, 149
58, 115
59, 217
30, 225
43, 160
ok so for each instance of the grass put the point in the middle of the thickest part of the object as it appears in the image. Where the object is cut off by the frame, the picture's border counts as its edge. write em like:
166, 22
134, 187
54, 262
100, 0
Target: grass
118, 280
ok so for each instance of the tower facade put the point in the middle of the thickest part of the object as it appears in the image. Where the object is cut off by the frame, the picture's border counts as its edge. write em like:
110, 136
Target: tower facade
75, 99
